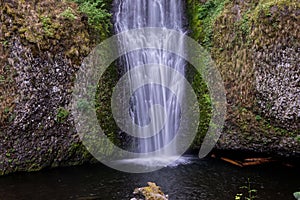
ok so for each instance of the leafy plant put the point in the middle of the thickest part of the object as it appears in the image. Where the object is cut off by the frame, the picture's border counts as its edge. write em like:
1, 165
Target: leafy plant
96, 10
207, 14
250, 194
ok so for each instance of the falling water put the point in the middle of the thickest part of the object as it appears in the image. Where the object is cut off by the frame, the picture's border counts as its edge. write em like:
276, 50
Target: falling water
134, 14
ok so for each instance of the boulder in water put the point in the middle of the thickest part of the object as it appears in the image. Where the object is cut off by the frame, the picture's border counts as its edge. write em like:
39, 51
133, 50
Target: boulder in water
150, 192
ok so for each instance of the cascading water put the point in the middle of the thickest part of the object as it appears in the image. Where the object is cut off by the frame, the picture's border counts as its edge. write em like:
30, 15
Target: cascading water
134, 14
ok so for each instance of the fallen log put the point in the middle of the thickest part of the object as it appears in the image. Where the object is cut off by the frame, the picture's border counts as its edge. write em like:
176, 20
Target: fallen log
248, 161
237, 163
256, 161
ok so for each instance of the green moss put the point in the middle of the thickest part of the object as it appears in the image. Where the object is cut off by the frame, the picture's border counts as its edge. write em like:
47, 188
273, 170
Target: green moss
78, 149
34, 167
46, 22
204, 102
50, 28
264, 7
7, 92
62, 114
68, 14
297, 138
50, 23
245, 25
98, 15
202, 17
194, 23
103, 103
233, 31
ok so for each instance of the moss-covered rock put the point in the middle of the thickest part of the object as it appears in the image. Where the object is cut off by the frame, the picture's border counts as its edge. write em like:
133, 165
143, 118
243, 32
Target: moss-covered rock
255, 45
150, 192
41, 48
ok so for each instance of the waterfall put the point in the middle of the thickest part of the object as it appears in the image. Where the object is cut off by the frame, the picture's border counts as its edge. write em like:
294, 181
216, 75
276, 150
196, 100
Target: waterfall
169, 14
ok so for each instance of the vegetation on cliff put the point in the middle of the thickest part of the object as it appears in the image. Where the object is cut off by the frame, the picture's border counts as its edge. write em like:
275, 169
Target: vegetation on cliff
249, 42
42, 44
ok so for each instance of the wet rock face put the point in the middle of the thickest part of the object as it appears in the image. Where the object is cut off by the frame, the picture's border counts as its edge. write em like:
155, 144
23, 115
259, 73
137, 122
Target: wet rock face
44, 86
255, 45
38, 129
277, 84
277, 66
42, 132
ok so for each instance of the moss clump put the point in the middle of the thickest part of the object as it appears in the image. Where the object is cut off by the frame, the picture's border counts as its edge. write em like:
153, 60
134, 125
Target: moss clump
69, 14
205, 110
98, 14
103, 103
48, 29
265, 7
62, 114
77, 154
8, 92
202, 18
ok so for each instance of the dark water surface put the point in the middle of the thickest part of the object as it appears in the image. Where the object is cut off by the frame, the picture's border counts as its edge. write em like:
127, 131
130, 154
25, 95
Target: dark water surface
200, 179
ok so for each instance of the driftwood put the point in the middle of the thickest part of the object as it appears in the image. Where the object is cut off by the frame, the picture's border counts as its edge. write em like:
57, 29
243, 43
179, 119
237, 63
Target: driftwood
257, 161
237, 163
248, 161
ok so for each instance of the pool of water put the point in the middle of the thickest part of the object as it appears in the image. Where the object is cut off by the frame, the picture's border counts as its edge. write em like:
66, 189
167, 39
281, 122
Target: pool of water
209, 179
